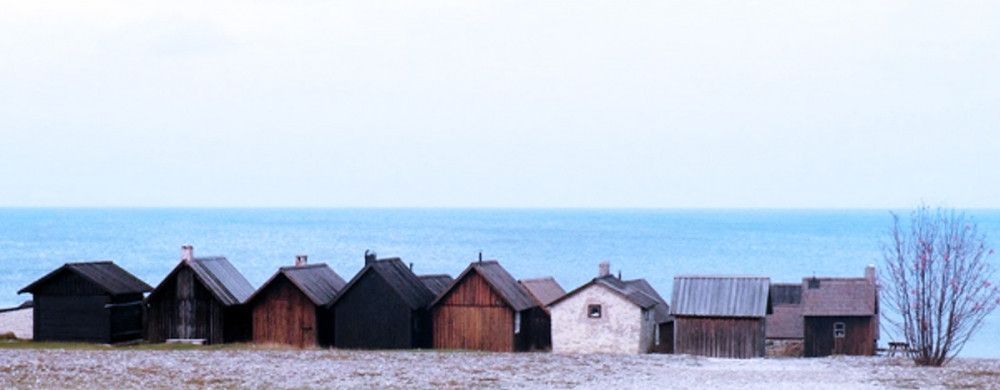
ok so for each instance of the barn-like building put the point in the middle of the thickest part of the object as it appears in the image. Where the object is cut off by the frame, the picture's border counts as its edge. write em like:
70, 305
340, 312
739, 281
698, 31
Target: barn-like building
201, 300
291, 307
841, 315
610, 315
486, 309
720, 316
385, 307
96, 302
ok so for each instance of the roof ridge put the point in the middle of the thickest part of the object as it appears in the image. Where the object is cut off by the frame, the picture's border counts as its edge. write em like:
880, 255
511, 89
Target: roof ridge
313, 265
538, 278
433, 275
90, 262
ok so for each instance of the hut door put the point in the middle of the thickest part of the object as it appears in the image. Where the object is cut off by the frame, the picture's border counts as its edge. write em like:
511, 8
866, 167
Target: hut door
839, 335
185, 304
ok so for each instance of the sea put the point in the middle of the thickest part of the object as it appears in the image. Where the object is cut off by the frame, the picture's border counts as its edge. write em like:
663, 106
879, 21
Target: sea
568, 244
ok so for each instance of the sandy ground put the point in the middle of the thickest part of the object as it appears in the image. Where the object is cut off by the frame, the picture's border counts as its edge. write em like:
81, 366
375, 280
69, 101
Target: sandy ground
17, 321
245, 368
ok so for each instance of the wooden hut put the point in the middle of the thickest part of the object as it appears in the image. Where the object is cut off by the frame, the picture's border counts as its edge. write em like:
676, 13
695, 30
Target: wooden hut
610, 315
487, 309
92, 302
784, 325
720, 316
200, 300
544, 291
840, 315
384, 307
290, 308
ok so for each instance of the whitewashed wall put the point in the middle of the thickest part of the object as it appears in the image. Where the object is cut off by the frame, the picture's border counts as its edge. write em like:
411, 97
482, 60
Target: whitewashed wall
619, 330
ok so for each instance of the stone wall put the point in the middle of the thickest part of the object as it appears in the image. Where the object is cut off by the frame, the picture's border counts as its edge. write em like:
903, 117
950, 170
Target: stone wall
619, 330
784, 347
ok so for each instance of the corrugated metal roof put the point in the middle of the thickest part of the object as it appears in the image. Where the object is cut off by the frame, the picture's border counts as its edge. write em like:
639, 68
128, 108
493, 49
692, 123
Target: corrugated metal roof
544, 290
839, 297
400, 278
512, 292
721, 296
222, 279
436, 283
317, 281
105, 274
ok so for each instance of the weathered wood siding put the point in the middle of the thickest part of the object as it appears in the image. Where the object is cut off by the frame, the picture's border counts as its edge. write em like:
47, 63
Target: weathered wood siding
666, 341
284, 315
719, 336
69, 307
183, 308
859, 336
371, 315
472, 316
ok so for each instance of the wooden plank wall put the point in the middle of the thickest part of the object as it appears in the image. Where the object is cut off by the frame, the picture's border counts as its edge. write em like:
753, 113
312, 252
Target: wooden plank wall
473, 317
284, 315
69, 307
719, 337
184, 308
371, 315
859, 338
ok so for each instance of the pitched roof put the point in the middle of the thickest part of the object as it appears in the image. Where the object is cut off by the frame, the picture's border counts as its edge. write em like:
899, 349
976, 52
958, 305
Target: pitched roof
105, 274
721, 296
544, 290
637, 291
512, 292
317, 281
436, 283
786, 294
839, 297
219, 276
400, 278
785, 322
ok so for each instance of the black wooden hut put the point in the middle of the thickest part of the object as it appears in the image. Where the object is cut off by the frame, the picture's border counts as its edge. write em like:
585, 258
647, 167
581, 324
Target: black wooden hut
202, 299
384, 307
290, 308
92, 302
720, 316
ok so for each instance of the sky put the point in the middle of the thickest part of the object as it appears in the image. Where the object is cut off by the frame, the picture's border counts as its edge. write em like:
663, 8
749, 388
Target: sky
672, 104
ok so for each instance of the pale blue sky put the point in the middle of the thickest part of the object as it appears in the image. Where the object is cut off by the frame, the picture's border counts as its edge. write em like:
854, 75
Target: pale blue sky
500, 103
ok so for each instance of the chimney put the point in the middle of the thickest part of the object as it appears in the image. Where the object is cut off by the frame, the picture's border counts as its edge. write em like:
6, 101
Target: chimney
603, 269
480, 256
301, 260
411, 267
619, 274
870, 273
369, 257
187, 253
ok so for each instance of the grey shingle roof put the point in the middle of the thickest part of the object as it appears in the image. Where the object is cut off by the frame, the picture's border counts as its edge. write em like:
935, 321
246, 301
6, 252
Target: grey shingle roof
105, 274
410, 288
839, 297
220, 277
721, 296
512, 292
544, 290
436, 283
317, 281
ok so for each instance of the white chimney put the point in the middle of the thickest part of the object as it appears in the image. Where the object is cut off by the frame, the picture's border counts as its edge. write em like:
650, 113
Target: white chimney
187, 253
870, 273
603, 269
301, 260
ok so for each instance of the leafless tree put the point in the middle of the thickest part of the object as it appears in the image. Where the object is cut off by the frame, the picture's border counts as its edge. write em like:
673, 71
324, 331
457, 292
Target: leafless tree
938, 282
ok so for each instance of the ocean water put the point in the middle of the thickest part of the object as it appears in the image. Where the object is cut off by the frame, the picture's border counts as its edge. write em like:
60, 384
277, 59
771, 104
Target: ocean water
785, 245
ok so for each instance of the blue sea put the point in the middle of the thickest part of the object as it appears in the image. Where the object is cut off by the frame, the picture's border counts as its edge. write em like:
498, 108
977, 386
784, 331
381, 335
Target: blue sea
786, 245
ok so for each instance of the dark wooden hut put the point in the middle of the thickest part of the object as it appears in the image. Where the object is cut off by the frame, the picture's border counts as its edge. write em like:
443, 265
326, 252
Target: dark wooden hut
720, 316
201, 300
290, 308
92, 302
840, 315
487, 309
544, 291
384, 307
784, 324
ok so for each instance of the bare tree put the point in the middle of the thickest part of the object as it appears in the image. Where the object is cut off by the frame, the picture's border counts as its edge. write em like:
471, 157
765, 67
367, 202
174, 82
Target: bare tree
938, 282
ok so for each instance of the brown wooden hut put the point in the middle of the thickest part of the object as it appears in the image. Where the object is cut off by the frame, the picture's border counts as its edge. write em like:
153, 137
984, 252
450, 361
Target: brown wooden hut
841, 315
720, 316
92, 302
290, 308
201, 300
385, 307
487, 309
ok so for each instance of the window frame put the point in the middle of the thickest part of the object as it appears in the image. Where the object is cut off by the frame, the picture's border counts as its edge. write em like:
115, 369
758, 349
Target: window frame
590, 311
839, 330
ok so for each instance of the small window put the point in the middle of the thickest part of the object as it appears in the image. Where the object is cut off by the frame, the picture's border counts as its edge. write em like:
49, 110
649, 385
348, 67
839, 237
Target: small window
517, 323
839, 329
594, 311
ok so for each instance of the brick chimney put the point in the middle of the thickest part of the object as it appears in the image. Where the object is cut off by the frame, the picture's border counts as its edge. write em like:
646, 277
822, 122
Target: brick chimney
187, 253
870, 273
301, 260
603, 269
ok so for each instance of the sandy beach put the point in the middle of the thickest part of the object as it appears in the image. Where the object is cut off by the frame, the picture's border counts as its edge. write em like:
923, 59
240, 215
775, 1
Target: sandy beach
241, 367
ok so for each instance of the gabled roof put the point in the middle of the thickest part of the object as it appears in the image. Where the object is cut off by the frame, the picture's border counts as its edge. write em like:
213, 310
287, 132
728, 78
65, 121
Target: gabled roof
399, 277
721, 296
544, 290
219, 276
436, 283
839, 297
104, 274
317, 281
512, 292
636, 291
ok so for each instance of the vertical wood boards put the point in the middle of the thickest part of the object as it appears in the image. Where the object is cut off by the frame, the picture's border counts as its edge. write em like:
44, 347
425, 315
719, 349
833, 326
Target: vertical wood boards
472, 316
719, 336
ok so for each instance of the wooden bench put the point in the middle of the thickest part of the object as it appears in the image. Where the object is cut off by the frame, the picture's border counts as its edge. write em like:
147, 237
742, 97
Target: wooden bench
899, 346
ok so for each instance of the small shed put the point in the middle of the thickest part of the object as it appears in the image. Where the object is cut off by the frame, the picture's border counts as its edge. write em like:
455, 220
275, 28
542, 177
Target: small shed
610, 315
840, 315
384, 307
720, 316
201, 299
290, 308
784, 324
485, 308
92, 302
544, 290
